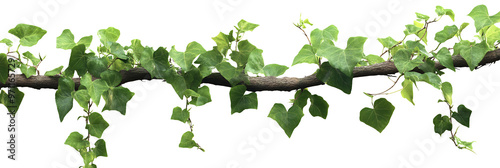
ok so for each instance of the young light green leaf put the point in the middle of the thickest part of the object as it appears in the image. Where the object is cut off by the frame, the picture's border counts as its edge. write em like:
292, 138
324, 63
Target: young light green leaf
319, 107
474, 54
447, 33
75, 140
447, 91
28, 71
82, 97
100, 148
387, 42
343, 60
28, 35
117, 50
116, 99
187, 140
204, 97
6, 42
185, 60
492, 35
422, 16
64, 100
88, 157
110, 34
137, 49
464, 144
112, 78
255, 62
301, 97
441, 124
240, 101
463, 115
4, 68
462, 27
246, 26
77, 61
222, 42
374, 59
54, 72
12, 100
274, 70
305, 55
440, 11
378, 117
66, 40
288, 120
482, 18
407, 91
180, 114
87, 40
444, 58
334, 77
97, 124
31, 57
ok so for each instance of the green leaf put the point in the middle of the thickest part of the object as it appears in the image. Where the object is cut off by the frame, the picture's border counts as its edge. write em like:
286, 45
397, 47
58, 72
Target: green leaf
119, 65
96, 65
97, 88
88, 157
407, 91
112, 78
334, 77
447, 90
274, 70
231, 74
462, 27
185, 60
411, 29
83, 98
301, 97
210, 58
97, 124
12, 99
440, 11
222, 42
66, 40
464, 144
403, 61
387, 42
54, 72
255, 62
240, 101
447, 33
116, 99
319, 107
4, 68
87, 40
288, 120
147, 60
246, 26
441, 124
463, 115
100, 148
241, 56
75, 140
31, 57
117, 50
316, 39
445, 59
160, 62
379, 116
28, 35
374, 59
305, 55
428, 65
137, 49
328, 34
492, 35
474, 54
64, 100
77, 61
203, 98
110, 34
429, 77
177, 81
193, 79
180, 114
343, 60
187, 140
191, 93
482, 18
6, 42
28, 71
422, 16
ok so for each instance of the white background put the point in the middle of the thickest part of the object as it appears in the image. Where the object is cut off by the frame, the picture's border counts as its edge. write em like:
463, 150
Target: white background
146, 137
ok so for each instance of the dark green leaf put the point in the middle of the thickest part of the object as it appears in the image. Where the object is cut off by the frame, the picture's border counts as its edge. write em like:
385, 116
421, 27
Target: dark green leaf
210, 58
64, 100
444, 58
4, 68
288, 120
319, 107
305, 55
66, 40
76, 141
160, 61
482, 18
112, 78
77, 61
204, 97
441, 124
100, 148
274, 70
447, 33
187, 140
241, 56
96, 65
255, 62
463, 115
246, 26
193, 79
403, 61
12, 99
97, 125
116, 99
176, 80
447, 91
379, 116
231, 74
191, 93
301, 97
180, 114
147, 60
334, 77
240, 101
28, 35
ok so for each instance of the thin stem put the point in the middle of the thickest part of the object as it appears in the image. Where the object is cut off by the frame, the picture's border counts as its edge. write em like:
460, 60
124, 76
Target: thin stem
113, 61
393, 47
451, 131
394, 84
